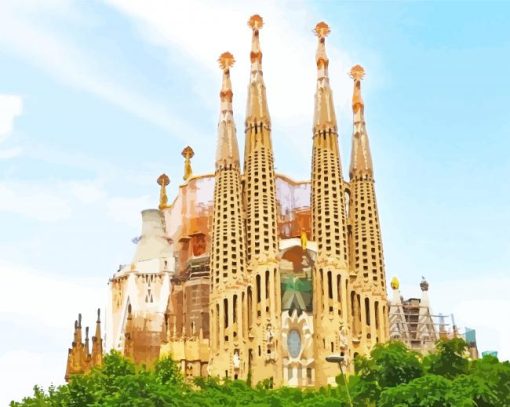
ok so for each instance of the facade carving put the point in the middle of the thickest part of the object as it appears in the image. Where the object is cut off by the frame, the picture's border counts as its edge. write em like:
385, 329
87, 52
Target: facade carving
248, 273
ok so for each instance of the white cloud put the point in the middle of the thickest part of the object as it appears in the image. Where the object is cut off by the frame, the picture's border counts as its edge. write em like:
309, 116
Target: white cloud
43, 46
41, 202
57, 201
87, 192
9, 153
11, 106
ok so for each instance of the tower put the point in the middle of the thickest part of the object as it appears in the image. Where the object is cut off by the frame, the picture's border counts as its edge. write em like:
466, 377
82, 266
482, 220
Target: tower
331, 275
261, 225
426, 332
398, 326
369, 297
228, 251
97, 342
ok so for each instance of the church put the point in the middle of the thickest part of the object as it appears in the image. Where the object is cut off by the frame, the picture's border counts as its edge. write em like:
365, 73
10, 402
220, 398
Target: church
247, 273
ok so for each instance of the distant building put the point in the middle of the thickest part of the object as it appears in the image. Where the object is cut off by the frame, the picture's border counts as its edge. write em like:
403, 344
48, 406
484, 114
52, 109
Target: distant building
412, 322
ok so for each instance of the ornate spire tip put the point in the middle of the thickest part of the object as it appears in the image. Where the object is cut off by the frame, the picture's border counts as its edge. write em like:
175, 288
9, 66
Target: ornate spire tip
188, 152
256, 22
226, 60
357, 72
322, 29
163, 180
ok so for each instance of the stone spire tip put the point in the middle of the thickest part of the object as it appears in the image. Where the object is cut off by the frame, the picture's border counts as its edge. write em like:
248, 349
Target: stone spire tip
163, 181
226, 61
321, 58
188, 154
424, 285
256, 22
357, 72
322, 30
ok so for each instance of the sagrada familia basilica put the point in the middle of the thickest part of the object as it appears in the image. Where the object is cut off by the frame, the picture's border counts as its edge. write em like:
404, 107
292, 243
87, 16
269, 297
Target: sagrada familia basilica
250, 274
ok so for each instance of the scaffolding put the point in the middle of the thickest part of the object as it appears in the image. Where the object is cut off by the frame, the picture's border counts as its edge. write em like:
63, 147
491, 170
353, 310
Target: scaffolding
415, 325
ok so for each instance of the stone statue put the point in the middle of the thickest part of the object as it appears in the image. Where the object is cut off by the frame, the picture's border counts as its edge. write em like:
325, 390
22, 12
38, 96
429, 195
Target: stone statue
342, 335
236, 360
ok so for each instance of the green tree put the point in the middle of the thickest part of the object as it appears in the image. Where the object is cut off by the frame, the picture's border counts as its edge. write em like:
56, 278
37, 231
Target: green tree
427, 391
391, 375
494, 375
449, 359
388, 365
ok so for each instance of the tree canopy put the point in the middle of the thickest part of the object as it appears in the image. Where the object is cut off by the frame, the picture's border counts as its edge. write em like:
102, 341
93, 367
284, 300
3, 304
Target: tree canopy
391, 376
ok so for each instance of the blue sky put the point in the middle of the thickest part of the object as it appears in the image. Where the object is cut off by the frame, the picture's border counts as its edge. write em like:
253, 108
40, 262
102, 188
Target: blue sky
98, 98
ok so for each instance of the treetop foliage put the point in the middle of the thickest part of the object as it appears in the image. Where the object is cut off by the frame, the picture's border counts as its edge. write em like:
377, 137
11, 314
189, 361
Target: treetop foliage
392, 376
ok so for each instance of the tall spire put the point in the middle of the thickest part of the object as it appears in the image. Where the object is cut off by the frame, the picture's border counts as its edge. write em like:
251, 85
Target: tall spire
256, 110
87, 342
324, 115
261, 222
361, 159
227, 153
329, 226
367, 261
97, 342
228, 264
77, 329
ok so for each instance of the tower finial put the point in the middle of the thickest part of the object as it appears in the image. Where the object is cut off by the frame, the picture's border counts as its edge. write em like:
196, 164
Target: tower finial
257, 112
357, 73
324, 116
87, 347
361, 159
163, 181
226, 60
188, 154
97, 343
424, 285
322, 31
227, 152
256, 23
